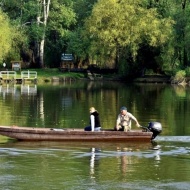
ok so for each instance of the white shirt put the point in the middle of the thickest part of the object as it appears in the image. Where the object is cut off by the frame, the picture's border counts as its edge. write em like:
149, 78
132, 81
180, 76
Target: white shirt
125, 120
92, 121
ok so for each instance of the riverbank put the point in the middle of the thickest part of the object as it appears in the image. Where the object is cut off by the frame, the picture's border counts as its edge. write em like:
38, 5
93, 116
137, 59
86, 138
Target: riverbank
55, 75
48, 75
153, 79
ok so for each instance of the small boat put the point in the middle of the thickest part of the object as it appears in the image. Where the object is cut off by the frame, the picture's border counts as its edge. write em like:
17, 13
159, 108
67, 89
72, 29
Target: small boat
52, 134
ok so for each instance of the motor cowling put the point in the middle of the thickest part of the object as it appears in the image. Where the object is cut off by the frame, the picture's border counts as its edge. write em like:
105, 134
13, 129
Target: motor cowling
155, 128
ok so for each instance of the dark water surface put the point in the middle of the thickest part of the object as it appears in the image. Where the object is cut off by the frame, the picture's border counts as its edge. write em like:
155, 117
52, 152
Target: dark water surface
164, 164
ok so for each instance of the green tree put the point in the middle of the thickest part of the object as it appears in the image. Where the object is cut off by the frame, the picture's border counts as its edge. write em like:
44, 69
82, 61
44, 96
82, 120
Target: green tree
45, 22
182, 33
175, 54
120, 24
78, 43
24, 14
62, 21
7, 34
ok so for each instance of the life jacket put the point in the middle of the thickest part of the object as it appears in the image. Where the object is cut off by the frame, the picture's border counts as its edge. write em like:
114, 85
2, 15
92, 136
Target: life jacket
97, 119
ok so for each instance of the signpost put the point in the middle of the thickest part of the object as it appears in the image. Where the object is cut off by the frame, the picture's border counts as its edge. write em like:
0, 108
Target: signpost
16, 65
66, 61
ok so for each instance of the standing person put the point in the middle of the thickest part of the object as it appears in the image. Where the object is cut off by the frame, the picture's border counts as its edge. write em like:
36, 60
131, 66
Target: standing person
94, 121
124, 119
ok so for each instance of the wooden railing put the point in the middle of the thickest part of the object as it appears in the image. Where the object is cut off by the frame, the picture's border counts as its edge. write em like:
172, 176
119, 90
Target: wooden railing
29, 75
5, 75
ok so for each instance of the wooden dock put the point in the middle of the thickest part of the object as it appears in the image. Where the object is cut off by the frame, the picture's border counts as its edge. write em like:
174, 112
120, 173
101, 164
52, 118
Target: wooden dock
11, 77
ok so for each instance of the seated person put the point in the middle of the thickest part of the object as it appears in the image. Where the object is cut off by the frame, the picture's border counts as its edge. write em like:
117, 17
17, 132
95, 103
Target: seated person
124, 119
94, 121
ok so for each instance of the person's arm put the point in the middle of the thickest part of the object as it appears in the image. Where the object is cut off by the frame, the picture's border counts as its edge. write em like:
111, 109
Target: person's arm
135, 120
92, 122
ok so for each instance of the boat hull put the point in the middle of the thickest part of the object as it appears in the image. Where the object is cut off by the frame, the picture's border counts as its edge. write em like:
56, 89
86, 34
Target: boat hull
49, 134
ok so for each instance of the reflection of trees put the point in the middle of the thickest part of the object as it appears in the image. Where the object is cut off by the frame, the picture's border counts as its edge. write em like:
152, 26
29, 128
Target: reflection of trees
180, 90
67, 105
161, 102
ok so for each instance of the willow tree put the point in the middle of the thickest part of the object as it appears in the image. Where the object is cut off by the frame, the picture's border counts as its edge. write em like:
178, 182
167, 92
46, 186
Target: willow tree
181, 14
5, 35
116, 24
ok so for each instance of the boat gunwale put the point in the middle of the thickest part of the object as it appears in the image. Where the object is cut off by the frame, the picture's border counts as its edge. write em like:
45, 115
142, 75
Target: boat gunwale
27, 133
70, 131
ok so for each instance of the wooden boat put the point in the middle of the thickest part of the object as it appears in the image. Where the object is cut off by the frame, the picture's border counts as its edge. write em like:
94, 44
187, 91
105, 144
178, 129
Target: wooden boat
51, 134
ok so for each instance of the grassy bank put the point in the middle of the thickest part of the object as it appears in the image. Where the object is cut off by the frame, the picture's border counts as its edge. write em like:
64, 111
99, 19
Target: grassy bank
46, 75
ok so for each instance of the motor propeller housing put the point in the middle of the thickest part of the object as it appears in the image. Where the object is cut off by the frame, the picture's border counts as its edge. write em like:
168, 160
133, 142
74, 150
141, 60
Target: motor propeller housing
155, 128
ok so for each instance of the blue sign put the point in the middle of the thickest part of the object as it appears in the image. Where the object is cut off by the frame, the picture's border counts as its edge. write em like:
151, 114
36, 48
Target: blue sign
66, 57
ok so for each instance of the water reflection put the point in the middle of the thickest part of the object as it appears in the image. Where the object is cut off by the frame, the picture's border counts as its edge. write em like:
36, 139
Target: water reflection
25, 89
180, 91
157, 155
66, 105
29, 89
157, 149
7, 89
69, 165
108, 165
94, 161
124, 160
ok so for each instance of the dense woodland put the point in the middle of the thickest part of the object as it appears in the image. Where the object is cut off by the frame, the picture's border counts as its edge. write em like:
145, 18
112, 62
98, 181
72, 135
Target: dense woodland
134, 36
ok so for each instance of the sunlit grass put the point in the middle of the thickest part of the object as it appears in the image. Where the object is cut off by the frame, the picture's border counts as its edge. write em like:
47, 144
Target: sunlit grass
47, 74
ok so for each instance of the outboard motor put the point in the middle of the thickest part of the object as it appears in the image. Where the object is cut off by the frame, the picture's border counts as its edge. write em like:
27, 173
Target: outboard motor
155, 128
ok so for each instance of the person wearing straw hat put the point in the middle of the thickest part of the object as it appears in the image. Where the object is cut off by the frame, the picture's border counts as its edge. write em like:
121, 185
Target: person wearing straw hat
124, 120
94, 121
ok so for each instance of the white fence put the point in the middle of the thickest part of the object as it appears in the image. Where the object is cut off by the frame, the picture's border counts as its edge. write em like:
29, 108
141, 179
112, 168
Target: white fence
28, 89
8, 74
29, 75
11, 76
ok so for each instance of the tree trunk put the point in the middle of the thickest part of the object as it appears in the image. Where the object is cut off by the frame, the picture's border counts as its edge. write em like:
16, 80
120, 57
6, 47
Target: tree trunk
44, 22
185, 57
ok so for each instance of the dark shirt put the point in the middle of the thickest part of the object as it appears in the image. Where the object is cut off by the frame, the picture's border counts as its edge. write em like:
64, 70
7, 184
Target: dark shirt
97, 119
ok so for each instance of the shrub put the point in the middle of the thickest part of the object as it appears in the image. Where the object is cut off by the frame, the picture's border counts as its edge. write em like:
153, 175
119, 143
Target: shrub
187, 70
180, 75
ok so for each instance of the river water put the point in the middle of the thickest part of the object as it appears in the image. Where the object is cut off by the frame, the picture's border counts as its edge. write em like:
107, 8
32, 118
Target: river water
164, 164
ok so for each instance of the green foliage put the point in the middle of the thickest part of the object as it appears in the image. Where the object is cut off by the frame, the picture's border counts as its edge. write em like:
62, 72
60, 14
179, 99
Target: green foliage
61, 17
6, 36
123, 69
180, 75
77, 44
149, 72
187, 70
111, 24
83, 9
101, 31
61, 21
